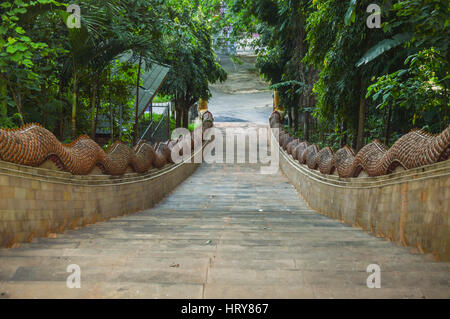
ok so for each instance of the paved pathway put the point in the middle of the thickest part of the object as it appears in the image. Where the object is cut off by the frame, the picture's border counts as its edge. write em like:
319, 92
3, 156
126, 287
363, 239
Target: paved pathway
227, 232
243, 97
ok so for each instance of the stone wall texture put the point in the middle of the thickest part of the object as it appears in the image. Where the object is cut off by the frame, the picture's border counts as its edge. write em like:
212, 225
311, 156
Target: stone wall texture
37, 202
408, 207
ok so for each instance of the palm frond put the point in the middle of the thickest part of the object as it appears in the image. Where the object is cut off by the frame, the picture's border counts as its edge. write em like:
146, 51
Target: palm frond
384, 46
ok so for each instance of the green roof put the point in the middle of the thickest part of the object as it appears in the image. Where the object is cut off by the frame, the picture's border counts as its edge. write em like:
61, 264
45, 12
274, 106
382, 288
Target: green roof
152, 81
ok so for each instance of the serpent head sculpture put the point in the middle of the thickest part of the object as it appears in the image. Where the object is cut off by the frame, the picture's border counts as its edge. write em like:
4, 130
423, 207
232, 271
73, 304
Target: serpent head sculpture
32, 145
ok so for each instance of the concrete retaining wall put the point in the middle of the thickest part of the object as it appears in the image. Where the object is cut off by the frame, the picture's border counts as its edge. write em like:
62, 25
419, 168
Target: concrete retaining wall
36, 202
410, 207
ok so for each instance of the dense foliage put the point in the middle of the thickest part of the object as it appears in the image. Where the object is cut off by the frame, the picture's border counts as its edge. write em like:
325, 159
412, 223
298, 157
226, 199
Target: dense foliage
359, 83
65, 78
190, 53
340, 80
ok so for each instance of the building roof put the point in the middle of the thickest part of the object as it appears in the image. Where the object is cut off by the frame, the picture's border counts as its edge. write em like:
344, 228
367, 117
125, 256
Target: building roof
152, 81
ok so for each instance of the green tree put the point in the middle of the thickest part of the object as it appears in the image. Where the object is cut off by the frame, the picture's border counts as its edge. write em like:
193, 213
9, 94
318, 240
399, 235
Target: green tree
19, 75
420, 85
192, 60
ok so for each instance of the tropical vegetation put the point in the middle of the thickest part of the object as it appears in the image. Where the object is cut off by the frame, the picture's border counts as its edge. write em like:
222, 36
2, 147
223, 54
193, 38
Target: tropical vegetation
65, 76
344, 80
342, 77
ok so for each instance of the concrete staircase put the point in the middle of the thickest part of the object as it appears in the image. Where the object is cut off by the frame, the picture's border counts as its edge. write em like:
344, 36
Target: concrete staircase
227, 232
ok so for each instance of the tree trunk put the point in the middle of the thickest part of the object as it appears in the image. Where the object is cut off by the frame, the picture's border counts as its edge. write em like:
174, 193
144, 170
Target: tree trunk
445, 110
18, 101
3, 104
290, 118
178, 112
361, 121
344, 137
136, 119
354, 141
97, 109
74, 105
98, 102
322, 135
178, 116
60, 110
93, 105
111, 111
296, 119
186, 117
44, 102
307, 126
388, 126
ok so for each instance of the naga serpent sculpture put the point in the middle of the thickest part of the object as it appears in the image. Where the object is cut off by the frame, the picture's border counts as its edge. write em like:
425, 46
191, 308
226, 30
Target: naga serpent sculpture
32, 145
413, 150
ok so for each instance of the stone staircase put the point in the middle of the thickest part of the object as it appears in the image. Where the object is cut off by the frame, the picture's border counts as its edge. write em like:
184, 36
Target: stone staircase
226, 232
